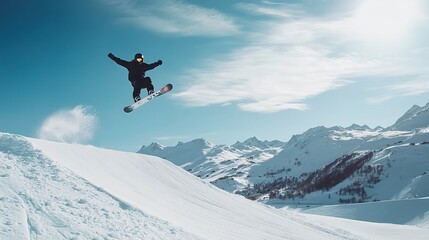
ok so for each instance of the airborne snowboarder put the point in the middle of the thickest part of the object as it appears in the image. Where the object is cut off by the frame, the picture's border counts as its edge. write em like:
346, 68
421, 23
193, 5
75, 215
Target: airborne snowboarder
136, 73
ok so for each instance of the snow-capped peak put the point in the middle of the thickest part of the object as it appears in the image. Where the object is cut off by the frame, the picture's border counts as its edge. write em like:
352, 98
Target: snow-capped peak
378, 128
202, 142
358, 127
196, 143
415, 118
252, 142
153, 147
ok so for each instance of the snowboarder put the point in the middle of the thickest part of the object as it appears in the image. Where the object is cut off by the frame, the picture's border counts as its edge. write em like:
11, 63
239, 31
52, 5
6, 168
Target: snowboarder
136, 73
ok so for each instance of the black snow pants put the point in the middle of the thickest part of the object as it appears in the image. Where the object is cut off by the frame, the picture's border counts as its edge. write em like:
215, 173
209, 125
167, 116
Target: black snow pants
144, 82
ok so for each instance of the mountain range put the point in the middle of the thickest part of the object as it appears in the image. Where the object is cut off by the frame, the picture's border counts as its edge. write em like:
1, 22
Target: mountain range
318, 167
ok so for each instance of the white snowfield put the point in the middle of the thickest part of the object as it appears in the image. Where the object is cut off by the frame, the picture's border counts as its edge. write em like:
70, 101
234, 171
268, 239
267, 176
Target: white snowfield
52, 190
404, 211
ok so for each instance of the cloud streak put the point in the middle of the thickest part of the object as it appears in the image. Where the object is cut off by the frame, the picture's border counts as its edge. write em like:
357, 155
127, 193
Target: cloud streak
175, 17
289, 76
283, 63
286, 59
75, 125
414, 87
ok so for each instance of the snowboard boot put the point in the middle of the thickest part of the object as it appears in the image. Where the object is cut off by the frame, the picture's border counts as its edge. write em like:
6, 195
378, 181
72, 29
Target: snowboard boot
150, 92
137, 98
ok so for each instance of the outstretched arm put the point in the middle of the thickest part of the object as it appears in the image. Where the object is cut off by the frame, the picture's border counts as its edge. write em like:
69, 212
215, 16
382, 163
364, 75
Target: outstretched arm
154, 65
119, 61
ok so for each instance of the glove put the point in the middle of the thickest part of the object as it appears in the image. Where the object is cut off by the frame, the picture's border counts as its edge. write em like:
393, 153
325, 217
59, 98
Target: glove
111, 56
159, 62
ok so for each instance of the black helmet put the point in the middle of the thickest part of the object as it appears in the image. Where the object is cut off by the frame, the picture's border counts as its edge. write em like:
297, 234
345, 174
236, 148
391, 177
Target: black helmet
138, 55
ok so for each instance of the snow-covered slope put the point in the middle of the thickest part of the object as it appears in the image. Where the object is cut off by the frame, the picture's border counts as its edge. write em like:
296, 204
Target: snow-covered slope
53, 190
389, 165
415, 118
42, 199
347, 165
410, 211
224, 166
313, 149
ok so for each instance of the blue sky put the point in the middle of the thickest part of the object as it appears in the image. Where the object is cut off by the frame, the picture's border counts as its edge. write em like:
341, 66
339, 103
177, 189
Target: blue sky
268, 69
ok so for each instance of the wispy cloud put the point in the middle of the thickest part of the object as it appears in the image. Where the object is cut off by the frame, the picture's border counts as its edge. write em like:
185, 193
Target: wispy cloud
75, 125
175, 17
272, 9
414, 87
289, 76
287, 58
284, 62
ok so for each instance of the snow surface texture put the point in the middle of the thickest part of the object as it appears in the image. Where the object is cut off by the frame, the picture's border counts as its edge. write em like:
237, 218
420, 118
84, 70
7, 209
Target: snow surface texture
54, 190
411, 212
40, 199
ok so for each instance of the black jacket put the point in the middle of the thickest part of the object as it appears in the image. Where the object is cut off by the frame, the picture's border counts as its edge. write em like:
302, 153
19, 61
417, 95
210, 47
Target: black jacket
136, 70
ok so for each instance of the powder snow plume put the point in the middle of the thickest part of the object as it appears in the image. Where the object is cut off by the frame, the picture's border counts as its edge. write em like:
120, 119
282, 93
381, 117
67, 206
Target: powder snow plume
75, 125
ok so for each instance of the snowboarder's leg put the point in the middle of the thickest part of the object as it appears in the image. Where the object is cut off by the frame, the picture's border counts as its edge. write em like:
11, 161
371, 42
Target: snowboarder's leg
147, 83
136, 95
136, 91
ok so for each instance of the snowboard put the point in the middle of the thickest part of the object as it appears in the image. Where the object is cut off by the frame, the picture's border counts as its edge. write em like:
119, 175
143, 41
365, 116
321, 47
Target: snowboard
167, 88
